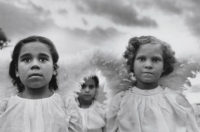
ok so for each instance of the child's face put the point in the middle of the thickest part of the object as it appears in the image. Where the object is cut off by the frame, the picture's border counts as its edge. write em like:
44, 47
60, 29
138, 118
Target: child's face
88, 90
35, 65
148, 64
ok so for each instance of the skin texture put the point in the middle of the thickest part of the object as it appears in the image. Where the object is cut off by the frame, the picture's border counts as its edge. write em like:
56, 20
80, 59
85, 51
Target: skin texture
148, 66
87, 93
35, 70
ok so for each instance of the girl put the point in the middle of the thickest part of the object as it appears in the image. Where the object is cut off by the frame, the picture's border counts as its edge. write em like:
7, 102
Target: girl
147, 106
36, 108
92, 112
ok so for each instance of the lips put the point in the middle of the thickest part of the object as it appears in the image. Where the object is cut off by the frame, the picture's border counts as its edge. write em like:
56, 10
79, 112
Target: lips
35, 75
147, 73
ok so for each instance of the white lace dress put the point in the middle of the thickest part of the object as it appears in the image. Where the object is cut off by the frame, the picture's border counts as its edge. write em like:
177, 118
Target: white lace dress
93, 118
156, 110
52, 114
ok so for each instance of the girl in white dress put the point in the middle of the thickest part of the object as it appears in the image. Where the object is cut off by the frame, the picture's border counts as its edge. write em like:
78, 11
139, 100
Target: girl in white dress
92, 111
147, 106
36, 108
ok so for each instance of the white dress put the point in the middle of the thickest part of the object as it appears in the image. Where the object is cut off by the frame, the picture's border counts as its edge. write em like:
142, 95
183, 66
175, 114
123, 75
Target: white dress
156, 110
93, 118
52, 114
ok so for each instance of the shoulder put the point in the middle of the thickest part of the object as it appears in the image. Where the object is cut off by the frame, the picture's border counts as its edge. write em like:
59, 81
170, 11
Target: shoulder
119, 96
178, 98
115, 103
3, 104
99, 107
70, 101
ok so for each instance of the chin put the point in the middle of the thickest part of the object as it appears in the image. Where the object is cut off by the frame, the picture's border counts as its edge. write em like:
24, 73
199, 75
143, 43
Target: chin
36, 85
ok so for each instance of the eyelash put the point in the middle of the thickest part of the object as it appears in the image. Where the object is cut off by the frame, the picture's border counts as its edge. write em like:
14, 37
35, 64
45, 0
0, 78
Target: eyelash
154, 59
141, 58
43, 59
28, 59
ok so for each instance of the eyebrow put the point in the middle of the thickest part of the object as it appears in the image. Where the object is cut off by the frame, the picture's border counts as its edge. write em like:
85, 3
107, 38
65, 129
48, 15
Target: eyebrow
25, 55
28, 54
44, 55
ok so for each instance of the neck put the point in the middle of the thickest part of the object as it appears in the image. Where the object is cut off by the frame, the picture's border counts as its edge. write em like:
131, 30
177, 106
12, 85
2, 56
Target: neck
146, 86
85, 103
36, 93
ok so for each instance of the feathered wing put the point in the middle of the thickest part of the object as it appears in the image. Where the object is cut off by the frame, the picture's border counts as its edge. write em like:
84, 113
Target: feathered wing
110, 70
107, 67
6, 87
178, 79
113, 75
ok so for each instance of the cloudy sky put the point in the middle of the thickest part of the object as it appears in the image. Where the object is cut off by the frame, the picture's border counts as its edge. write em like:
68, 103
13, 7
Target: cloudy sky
77, 26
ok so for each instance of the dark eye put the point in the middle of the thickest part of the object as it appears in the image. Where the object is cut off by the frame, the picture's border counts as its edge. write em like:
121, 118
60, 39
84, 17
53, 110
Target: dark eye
83, 86
26, 59
156, 59
141, 58
43, 59
91, 86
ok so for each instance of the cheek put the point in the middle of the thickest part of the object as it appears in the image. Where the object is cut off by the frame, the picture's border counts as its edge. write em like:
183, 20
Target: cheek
161, 69
94, 92
136, 67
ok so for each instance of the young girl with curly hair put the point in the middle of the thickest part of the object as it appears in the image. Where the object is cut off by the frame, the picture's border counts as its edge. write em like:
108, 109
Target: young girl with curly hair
147, 106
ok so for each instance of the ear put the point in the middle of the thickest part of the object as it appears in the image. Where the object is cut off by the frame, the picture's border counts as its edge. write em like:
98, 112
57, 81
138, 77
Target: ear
55, 69
16, 73
54, 72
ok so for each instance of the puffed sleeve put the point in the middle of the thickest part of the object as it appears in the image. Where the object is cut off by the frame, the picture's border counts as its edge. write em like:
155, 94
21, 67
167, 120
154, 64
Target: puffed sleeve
112, 112
73, 115
190, 119
184, 111
3, 105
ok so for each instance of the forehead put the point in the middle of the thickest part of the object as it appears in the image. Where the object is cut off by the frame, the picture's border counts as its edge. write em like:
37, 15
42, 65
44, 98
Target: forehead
89, 81
34, 48
150, 50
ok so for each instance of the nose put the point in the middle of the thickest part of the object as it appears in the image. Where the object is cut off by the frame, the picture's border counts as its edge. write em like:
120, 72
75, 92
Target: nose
148, 64
87, 90
35, 65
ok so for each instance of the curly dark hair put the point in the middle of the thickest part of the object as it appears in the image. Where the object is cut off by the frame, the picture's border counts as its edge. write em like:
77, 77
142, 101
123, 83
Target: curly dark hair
134, 45
93, 77
15, 56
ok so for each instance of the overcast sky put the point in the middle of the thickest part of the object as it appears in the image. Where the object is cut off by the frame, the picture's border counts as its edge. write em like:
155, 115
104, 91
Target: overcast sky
80, 25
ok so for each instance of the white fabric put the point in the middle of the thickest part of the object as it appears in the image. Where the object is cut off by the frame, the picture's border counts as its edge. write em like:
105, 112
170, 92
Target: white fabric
52, 114
156, 110
93, 118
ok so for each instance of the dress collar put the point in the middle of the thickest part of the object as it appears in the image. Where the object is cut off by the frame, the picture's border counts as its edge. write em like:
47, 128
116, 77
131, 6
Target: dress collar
156, 90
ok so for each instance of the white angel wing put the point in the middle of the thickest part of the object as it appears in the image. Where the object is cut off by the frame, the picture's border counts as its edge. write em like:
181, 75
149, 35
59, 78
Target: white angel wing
6, 87
179, 77
110, 70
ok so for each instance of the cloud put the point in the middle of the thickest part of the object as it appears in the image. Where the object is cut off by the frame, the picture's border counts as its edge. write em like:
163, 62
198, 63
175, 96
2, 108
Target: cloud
37, 8
16, 20
186, 10
96, 35
170, 6
115, 11
62, 11
193, 17
84, 21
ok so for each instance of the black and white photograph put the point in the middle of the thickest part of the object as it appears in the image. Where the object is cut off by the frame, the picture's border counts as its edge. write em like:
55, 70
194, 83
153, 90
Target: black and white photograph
99, 66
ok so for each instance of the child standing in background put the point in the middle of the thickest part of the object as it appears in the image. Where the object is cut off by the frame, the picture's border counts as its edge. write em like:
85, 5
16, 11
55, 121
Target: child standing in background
36, 107
147, 106
92, 111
